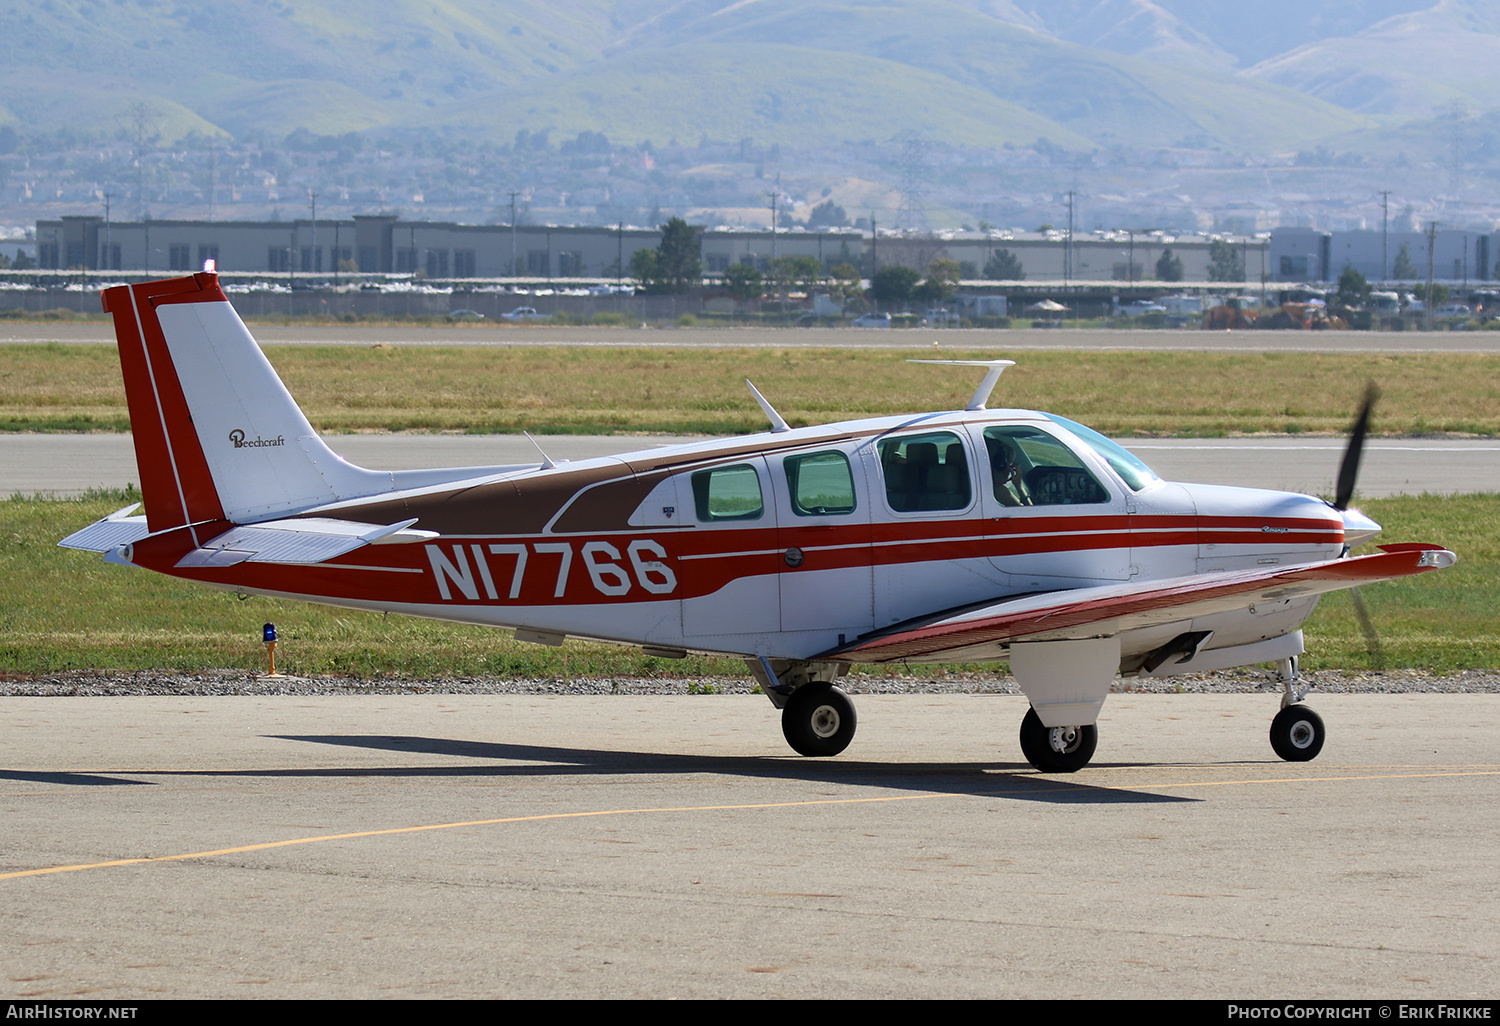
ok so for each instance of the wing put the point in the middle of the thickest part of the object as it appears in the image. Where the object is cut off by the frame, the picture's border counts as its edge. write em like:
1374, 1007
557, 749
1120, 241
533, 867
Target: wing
1114, 609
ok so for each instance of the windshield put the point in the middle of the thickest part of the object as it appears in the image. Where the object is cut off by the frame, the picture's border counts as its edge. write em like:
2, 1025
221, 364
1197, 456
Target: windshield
1130, 468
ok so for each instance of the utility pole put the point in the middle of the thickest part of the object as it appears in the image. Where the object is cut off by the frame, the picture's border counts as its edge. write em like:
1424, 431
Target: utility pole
1385, 222
317, 257
512, 273
619, 254
108, 247
1265, 246
1431, 245
773, 221
1068, 250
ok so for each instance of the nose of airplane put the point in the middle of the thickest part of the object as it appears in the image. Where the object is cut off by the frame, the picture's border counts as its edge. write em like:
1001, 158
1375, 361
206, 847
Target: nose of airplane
1358, 528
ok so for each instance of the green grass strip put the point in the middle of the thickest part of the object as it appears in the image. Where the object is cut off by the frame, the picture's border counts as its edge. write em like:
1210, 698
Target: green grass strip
66, 610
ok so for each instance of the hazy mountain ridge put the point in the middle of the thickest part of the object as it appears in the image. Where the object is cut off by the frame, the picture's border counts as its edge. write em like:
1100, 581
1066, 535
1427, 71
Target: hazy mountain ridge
1408, 65
1080, 73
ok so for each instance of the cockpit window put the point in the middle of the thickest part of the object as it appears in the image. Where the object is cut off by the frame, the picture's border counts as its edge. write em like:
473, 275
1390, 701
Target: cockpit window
1029, 467
1125, 463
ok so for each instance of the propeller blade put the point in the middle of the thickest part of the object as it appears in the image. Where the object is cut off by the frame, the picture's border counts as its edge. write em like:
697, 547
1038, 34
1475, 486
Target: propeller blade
1349, 469
1372, 640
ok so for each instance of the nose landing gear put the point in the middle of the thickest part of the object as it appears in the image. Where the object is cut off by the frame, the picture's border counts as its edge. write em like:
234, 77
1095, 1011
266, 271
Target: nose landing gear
1057, 749
1297, 733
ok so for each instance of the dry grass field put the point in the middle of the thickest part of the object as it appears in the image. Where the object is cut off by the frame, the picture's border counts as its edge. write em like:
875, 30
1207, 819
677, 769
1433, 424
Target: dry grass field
574, 390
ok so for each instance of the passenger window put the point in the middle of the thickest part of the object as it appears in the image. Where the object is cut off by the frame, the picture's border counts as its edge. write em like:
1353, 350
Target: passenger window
1029, 467
820, 484
727, 493
925, 472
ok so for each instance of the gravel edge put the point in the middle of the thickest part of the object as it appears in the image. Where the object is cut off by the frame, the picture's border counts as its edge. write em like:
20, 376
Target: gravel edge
211, 682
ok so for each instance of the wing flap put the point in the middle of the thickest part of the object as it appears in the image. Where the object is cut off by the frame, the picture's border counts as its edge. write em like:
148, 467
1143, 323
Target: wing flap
1111, 609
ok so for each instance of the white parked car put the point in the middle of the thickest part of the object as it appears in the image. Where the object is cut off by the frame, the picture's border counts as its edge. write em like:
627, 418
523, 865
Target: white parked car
525, 313
1142, 306
872, 320
1454, 310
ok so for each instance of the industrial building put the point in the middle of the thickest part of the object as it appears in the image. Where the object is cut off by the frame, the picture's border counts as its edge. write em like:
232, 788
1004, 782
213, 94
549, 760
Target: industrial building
385, 244
382, 244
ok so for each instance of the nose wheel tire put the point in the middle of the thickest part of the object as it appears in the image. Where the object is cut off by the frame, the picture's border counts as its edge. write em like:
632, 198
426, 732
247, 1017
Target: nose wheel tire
1057, 749
1297, 734
818, 720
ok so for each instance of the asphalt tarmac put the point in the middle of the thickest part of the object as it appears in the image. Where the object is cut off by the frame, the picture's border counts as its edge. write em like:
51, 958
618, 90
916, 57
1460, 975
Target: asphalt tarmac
660, 847
69, 464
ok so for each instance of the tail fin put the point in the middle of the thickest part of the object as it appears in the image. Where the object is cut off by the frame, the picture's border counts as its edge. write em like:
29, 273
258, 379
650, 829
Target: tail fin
217, 435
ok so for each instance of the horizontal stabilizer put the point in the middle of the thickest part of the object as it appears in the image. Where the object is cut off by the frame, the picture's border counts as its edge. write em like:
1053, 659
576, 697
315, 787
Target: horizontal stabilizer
119, 528
299, 541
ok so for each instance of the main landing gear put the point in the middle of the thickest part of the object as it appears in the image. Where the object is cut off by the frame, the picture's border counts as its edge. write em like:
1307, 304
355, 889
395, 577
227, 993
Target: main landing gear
1057, 749
1297, 733
818, 719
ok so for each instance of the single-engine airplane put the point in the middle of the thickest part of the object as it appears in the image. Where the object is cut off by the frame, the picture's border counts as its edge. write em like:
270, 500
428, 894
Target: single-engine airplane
972, 535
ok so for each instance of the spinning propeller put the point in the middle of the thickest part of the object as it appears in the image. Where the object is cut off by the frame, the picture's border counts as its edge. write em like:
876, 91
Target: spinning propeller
1358, 527
1349, 469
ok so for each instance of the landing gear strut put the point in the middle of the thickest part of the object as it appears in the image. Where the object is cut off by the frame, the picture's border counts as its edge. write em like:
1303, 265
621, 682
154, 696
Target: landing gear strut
1297, 733
1057, 749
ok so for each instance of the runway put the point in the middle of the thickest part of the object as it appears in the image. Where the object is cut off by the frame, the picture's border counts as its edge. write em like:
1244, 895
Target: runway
656, 847
1000, 341
70, 464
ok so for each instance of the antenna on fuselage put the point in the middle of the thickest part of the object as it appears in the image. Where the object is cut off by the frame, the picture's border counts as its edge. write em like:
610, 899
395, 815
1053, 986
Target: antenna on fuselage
777, 424
982, 393
547, 463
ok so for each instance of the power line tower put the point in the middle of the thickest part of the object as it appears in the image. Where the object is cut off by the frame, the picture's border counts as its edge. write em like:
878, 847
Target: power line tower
913, 183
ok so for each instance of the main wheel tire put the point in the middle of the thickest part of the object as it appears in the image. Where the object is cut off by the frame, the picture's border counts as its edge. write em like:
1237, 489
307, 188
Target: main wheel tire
1057, 749
818, 720
1297, 734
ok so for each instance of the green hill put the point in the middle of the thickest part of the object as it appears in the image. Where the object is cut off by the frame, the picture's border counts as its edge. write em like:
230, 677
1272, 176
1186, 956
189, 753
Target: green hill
769, 92
980, 72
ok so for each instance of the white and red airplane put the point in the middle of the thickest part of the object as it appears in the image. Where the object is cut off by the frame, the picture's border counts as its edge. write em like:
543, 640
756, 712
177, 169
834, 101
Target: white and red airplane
972, 535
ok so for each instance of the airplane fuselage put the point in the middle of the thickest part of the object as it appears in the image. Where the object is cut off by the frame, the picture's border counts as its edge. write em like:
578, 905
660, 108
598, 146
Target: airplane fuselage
794, 543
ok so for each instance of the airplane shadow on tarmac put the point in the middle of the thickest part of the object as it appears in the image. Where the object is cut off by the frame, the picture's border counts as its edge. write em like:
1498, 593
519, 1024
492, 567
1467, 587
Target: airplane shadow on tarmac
1012, 780
1008, 780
